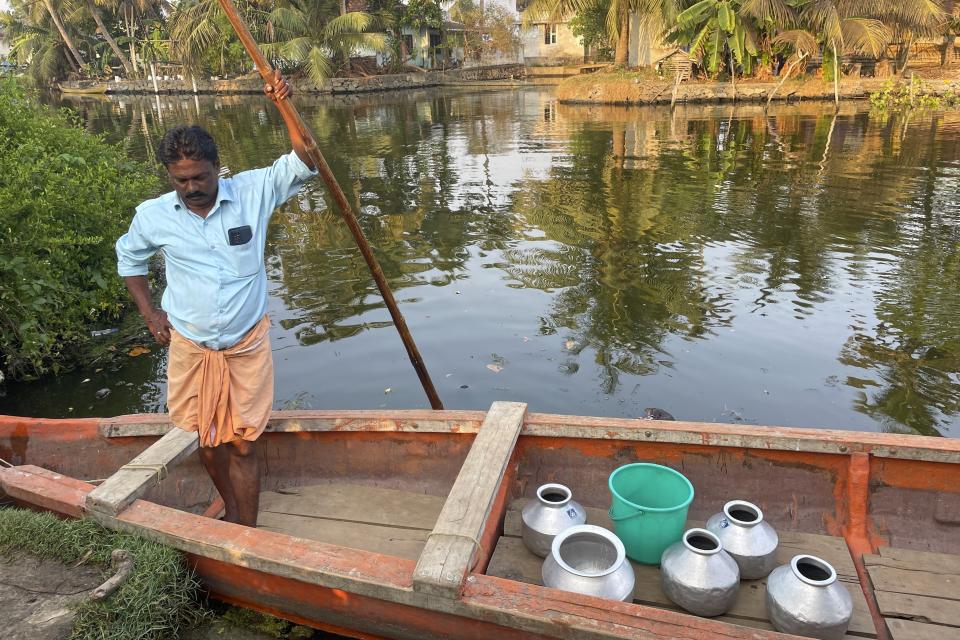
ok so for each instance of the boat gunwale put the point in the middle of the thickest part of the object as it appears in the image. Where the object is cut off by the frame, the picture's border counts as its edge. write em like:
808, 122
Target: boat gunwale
798, 439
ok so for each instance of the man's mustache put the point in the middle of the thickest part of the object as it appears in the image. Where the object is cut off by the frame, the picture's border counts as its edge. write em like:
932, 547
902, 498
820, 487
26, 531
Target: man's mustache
194, 195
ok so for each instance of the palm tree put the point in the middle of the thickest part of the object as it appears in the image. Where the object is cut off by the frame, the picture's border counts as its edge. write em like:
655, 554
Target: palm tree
55, 17
801, 44
40, 44
92, 8
306, 32
843, 28
201, 36
909, 20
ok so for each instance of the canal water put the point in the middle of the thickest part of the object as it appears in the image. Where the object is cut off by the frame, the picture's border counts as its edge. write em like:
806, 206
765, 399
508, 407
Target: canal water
793, 268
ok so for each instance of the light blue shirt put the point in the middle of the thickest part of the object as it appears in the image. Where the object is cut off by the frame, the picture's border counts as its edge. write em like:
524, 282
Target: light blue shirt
215, 291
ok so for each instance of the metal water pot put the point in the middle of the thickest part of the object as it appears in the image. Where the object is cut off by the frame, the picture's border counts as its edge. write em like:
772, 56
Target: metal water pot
552, 511
747, 537
698, 575
805, 599
589, 560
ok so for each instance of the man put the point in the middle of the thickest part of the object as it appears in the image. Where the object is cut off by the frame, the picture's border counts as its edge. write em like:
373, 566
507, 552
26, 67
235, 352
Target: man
212, 232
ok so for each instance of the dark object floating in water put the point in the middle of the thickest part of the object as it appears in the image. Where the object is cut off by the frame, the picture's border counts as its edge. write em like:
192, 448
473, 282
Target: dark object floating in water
653, 413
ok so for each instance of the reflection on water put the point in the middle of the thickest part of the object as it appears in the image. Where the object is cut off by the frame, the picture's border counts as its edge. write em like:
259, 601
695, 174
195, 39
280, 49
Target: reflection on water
797, 269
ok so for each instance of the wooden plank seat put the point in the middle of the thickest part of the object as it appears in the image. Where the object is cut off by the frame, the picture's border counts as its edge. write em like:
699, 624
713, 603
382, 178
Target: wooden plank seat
513, 561
387, 521
918, 593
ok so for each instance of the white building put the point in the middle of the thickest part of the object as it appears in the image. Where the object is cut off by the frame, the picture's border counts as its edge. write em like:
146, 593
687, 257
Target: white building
550, 44
4, 44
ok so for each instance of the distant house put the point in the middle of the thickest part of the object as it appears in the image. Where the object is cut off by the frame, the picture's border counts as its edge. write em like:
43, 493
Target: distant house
548, 44
426, 49
553, 43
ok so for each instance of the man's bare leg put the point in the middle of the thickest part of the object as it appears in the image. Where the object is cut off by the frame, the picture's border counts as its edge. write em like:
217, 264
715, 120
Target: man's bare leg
216, 460
245, 479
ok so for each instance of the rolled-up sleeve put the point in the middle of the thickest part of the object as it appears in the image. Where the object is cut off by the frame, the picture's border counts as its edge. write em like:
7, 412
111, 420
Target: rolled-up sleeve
134, 249
286, 175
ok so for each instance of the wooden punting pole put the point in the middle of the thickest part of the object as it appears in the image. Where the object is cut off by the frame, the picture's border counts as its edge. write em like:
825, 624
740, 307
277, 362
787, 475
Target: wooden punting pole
346, 211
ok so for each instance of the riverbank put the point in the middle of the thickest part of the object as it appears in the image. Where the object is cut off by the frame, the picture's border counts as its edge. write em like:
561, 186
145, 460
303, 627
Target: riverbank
253, 84
640, 88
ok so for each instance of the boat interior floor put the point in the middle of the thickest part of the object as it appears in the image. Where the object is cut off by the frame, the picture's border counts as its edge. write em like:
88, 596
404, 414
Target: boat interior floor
918, 592
369, 518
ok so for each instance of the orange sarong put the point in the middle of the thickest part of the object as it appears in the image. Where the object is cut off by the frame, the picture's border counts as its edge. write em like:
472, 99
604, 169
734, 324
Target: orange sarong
225, 395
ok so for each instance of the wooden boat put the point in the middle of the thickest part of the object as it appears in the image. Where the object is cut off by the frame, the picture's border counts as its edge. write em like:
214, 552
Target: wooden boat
404, 524
83, 87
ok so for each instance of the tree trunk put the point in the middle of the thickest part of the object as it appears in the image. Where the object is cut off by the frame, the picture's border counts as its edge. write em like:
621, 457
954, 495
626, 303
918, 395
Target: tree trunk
621, 55
836, 77
129, 27
733, 76
346, 52
904, 58
786, 74
63, 32
109, 38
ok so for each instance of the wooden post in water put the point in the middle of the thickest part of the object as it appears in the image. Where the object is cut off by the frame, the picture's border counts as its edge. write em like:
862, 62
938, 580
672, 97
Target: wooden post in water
287, 108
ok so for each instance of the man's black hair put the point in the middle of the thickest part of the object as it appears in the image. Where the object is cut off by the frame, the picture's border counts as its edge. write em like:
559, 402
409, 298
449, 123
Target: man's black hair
187, 142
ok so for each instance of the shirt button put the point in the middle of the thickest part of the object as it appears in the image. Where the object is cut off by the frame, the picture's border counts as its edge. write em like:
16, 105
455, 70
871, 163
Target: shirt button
212, 247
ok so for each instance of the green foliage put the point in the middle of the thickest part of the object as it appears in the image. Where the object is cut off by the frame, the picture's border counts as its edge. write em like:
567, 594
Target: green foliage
421, 14
715, 30
900, 96
157, 601
65, 198
590, 25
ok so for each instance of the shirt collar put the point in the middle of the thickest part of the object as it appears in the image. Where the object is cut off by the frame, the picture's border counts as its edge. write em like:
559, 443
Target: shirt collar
224, 194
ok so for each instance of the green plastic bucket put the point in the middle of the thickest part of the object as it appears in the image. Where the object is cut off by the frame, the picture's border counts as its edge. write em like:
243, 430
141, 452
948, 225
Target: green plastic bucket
649, 510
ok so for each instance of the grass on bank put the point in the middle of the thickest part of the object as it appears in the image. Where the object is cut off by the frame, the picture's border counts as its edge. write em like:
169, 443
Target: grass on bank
159, 601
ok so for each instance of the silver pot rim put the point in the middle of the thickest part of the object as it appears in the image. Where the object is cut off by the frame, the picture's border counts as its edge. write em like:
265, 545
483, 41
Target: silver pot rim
820, 563
743, 504
594, 530
553, 486
689, 533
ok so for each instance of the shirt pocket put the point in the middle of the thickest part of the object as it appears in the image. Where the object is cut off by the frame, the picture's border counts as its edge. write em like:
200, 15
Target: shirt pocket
244, 260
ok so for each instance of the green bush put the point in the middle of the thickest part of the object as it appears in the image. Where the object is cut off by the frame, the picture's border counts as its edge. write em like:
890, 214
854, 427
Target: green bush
900, 96
65, 197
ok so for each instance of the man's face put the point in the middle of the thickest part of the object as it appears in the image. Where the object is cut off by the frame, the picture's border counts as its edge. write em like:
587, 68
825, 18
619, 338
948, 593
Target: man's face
195, 181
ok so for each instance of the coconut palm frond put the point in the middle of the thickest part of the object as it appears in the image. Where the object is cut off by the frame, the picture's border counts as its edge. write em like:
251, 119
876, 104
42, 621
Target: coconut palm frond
779, 12
866, 35
287, 19
353, 22
921, 16
800, 41
318, 65
297, 49
555, 10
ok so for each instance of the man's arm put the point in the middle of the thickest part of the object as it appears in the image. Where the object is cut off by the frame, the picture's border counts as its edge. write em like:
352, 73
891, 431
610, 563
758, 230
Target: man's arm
155, 318
278, 90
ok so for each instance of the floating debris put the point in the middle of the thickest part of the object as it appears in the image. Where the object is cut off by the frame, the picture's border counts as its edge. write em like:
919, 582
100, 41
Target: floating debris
137, 351
102, 393
495, 368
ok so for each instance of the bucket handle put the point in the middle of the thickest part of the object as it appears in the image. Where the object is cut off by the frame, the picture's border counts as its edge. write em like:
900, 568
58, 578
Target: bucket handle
622, 518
